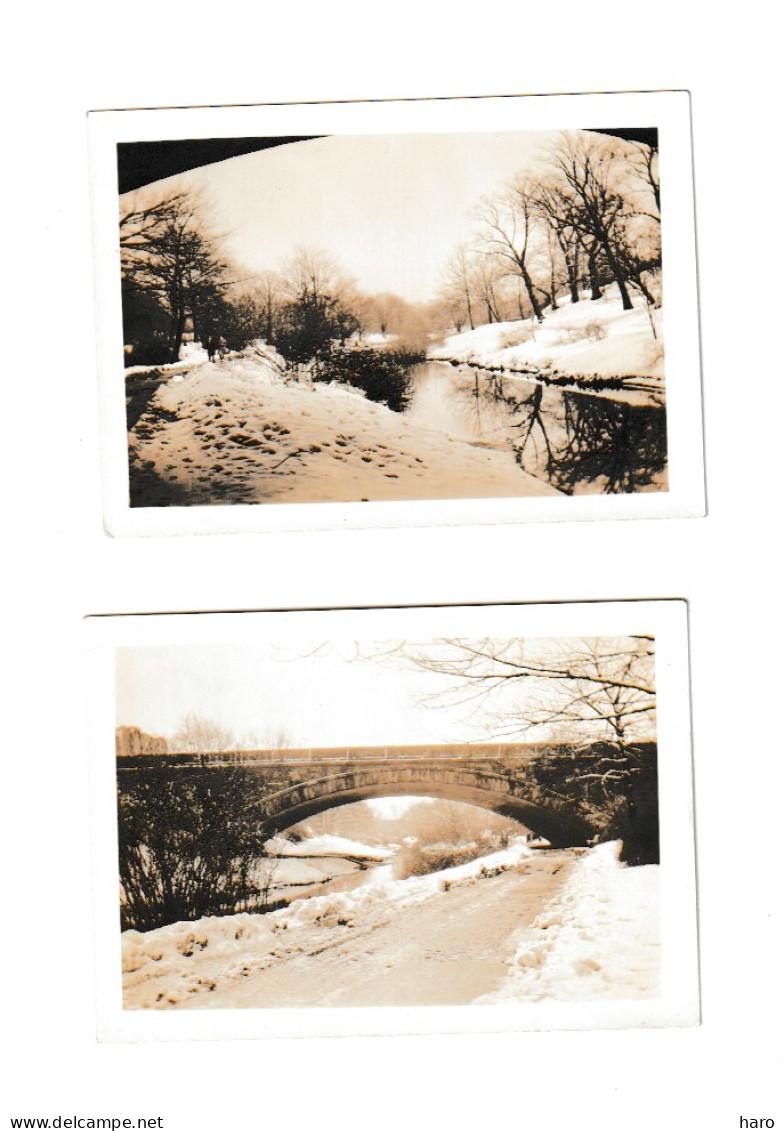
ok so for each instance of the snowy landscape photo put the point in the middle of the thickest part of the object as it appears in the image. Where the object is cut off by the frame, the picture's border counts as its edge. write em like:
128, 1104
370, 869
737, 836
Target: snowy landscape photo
447, 821
395, 318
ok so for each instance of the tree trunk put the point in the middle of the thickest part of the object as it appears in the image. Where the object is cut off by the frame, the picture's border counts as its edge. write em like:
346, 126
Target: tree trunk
493, 304
593, 274
648, 296
618, 274
529, 287
469, 312
621, 281
176, 338
572, 274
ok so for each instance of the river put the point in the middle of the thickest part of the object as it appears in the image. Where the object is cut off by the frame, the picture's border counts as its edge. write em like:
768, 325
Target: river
579, 442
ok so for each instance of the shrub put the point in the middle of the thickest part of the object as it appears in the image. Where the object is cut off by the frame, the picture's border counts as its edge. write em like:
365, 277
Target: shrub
517, 336
594, 331
615, 787
185, 852
422, 859
586, 331
383, 375
309, 325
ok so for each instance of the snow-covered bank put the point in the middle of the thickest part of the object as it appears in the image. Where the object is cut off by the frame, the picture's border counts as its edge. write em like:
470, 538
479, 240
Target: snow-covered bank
234, 431
296, 869
598, 939
325, 844
165, 966
191, 354
584, 339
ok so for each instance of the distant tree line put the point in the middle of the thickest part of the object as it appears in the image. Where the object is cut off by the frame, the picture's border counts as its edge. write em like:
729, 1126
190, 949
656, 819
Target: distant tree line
176, 283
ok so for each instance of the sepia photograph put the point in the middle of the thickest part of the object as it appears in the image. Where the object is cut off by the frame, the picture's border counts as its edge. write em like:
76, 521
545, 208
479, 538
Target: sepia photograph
398, 317
411, 821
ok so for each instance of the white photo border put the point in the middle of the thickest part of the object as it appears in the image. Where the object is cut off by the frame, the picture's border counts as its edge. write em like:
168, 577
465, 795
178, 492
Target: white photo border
668, 111
678, 1003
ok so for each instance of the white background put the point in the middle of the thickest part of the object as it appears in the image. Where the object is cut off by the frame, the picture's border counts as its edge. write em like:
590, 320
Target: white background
63, 61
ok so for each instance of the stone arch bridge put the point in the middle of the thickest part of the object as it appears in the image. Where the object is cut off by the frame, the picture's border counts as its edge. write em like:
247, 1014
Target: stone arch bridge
284, 787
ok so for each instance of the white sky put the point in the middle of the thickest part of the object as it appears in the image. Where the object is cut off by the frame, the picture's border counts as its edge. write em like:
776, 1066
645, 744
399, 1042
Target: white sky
320, 700
318, 692
391, 208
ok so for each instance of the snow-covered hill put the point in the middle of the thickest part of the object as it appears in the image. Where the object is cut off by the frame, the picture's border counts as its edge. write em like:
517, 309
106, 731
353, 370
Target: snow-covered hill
582, 339
325, 844
598, 939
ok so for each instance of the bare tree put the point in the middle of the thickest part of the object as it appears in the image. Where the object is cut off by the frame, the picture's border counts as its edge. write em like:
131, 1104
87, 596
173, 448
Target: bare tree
312, 272
458, 287
196, 734
267, 292
592, 203
594, 699
549, 205
488, 281
645, 160
387, 313
141, 224
271, 737
600, 688
510, 223
455, 822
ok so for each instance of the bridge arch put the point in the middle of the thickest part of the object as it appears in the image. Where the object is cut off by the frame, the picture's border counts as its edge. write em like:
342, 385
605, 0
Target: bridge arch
546, 816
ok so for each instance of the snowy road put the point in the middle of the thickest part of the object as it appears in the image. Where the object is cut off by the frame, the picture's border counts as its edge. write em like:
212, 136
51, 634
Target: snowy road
519, 924
448, 950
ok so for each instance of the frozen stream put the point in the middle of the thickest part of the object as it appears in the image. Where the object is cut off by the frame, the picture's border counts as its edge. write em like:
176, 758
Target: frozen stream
579, 442
300, 876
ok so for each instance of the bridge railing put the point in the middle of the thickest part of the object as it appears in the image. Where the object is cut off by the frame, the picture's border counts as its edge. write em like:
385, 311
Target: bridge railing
448, 752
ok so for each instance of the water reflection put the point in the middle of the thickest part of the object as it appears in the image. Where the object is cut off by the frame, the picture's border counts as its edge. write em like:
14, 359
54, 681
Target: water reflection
581, 443
612, 446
